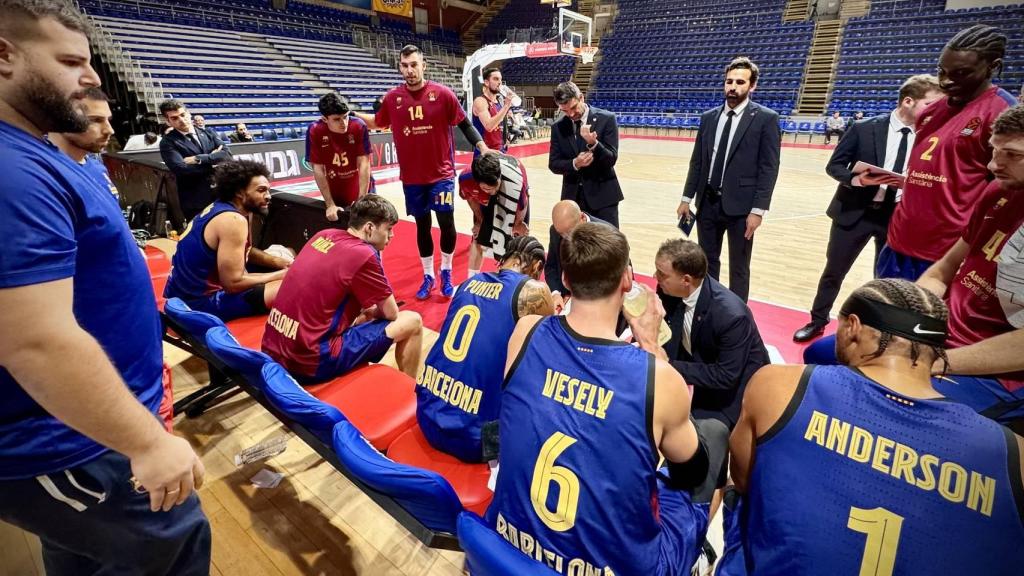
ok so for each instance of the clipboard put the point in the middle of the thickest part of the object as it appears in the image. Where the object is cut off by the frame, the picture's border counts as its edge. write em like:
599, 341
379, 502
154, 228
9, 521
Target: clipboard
864, 168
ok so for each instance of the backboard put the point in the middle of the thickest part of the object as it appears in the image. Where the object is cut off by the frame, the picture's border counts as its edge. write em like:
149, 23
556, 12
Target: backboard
575, 33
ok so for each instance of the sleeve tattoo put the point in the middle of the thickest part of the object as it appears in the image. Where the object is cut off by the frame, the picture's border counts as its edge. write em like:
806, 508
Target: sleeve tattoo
535, 298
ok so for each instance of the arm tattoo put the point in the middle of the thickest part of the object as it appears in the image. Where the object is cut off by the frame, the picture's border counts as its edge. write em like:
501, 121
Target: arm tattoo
534, 298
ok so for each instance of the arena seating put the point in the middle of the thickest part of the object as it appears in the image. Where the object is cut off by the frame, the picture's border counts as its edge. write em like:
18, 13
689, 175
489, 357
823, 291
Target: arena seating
881, 50
526, 21
488, 553
670, 56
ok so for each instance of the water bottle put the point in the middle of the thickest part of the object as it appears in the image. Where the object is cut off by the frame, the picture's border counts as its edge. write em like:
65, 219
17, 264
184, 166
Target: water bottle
169, 231
265, 449
636, 303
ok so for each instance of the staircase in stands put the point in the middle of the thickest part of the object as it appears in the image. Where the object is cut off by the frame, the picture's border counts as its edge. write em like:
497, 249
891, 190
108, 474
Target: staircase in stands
584, 74
820, 70
796, 11
309, 78
471, 37
852, 8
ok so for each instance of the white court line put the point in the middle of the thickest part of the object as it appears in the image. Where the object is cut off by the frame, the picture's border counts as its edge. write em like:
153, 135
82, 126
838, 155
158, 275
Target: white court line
769, 220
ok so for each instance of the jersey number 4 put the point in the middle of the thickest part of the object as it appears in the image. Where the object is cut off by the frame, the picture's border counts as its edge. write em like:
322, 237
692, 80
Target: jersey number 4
883, 530
340, 159
415, 112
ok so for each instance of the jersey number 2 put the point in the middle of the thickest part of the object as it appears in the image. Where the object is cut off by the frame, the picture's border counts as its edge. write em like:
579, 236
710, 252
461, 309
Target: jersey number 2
927, 154
563, 517
883, 530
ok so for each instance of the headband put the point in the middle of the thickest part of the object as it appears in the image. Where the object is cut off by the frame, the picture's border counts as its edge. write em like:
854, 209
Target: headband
908, 324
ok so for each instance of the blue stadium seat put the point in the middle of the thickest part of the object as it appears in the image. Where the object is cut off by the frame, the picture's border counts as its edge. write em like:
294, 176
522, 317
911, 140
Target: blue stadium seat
269, 134
292, 399
245, 361
488, 554
424, 494
192, 321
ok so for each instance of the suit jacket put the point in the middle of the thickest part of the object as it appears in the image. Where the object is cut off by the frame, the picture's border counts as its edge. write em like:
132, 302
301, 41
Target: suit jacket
752, 163
553, 263
193, 180
600, 184
726, 350
865, 142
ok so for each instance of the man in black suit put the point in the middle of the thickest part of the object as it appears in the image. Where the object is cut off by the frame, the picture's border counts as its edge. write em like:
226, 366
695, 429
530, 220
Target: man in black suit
860, 209
190, 153
565, 216
733, 190
584, 149
715, 344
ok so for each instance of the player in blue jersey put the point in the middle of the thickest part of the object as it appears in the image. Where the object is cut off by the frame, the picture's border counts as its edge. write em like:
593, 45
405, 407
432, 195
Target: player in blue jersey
585, 420
80, 348
83, 147
864, 467
209, 266
459, 391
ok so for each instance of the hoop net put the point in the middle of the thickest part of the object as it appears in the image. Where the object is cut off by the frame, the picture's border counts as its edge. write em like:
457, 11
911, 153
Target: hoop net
587, 54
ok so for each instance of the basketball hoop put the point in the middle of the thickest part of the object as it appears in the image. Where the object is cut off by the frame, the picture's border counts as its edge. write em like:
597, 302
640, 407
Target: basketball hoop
587, 54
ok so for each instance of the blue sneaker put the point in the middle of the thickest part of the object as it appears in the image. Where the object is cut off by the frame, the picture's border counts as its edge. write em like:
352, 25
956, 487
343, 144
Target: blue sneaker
428, 285
446, 284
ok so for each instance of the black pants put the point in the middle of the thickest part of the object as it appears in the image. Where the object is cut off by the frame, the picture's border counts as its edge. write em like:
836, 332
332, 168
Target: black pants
844, 246
712, 225
829, 132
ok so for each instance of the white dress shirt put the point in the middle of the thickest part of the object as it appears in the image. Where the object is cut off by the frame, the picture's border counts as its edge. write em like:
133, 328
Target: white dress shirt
892, 146
722, 119
691, 305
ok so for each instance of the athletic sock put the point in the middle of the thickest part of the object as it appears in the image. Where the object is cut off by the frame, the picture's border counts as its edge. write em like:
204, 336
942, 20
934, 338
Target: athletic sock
446, 261
428, 265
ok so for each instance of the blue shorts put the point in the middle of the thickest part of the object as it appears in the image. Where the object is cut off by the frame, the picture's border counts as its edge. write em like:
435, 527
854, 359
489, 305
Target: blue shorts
684, 526
733, 561
986, 396
228, 307
892, 264
360, 344
420, 199
822, 351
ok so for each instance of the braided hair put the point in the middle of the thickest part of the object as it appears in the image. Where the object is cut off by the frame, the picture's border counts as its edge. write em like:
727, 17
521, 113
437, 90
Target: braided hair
909, 296
527, 249
986, 41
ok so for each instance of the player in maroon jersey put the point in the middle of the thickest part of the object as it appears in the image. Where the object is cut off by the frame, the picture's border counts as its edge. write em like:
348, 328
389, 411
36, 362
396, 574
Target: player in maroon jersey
338, 147
982, 277
947, 169
420, 114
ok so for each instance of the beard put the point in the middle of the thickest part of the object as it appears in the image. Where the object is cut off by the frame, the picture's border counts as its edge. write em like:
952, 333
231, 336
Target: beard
51, 111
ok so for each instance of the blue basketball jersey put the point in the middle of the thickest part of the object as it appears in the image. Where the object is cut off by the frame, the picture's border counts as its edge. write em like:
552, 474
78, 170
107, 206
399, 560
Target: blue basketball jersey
194, 266
460, 386
577, 486
857, 479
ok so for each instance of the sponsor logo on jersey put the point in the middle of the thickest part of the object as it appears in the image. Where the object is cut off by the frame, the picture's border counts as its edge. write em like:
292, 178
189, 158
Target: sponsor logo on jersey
407, 131
432, 96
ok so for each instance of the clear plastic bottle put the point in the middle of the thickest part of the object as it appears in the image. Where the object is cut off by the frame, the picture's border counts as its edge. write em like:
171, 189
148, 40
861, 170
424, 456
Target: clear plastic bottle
265, 449
635, 304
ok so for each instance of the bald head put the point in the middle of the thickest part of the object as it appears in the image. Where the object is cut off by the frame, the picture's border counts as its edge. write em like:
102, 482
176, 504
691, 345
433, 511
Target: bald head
565, 216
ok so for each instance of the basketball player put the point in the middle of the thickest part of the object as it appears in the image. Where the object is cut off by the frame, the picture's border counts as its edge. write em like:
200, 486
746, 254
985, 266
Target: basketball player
946, 170
338, 147
209, 266
584, 421
499, 196
335, 309
459, 391
82, 146
488, 114
80, 345
865, 468
982, 277
421, 113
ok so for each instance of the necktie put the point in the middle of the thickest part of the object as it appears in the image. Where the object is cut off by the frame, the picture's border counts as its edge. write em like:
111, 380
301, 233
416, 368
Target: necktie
677, 323
580, 145
889, 194
721, 152
685, 340
195, 140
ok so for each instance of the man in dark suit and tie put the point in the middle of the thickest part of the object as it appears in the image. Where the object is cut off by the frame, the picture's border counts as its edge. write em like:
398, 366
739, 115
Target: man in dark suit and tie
715, 344
861, 208
584, 149
565, 216
733, 169
190, 153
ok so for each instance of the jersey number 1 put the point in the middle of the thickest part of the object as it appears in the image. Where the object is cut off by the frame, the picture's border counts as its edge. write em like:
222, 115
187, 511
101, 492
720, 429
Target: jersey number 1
883, 530
415, 112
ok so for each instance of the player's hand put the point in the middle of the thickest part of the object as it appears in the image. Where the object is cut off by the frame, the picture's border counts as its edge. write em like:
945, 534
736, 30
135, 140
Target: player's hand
753, 221
645, 326
169, 470
683, 210
558, 302
476, 229
520, 229
191, 160
332, 213
589, 136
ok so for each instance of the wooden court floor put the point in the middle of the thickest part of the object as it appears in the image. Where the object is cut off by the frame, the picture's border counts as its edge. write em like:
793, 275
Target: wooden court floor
316, 521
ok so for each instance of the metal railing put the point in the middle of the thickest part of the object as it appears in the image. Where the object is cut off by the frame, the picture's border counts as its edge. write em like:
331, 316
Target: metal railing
128, 70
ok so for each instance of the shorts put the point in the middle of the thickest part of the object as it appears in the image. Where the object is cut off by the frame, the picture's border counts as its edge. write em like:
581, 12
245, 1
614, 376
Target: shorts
684, 526
420, 199
732, 562
892, 264
367, 342
228, 307
987, 396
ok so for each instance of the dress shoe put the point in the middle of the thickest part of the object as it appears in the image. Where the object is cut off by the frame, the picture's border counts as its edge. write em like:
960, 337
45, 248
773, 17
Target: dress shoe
808, 332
